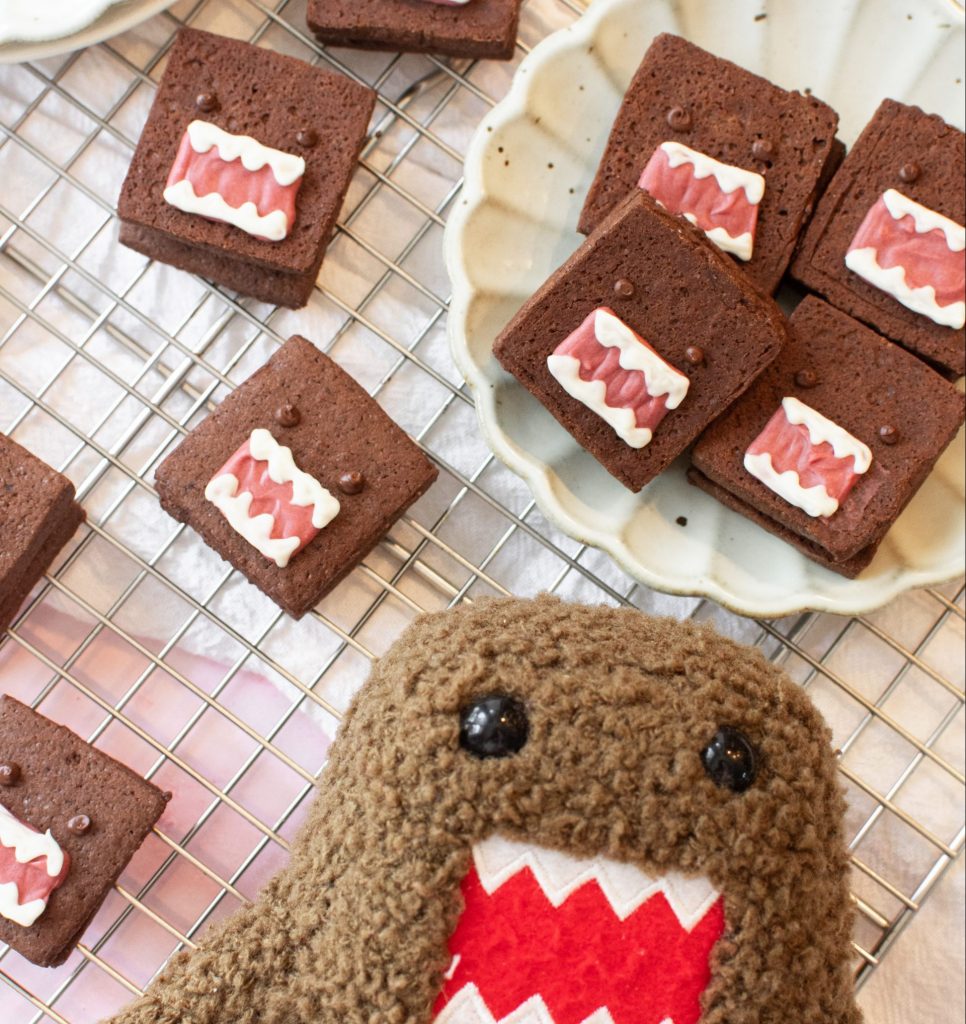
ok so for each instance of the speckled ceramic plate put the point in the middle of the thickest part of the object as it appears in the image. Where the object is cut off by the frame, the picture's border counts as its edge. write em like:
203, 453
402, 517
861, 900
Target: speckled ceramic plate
527, 172
34, 29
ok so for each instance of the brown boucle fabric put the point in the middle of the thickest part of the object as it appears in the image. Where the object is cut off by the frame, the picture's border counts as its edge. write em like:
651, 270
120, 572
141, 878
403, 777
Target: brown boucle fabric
355, 930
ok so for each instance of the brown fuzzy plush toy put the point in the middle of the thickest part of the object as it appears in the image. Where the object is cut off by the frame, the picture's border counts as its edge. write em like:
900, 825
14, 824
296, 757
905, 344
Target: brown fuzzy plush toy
539, 813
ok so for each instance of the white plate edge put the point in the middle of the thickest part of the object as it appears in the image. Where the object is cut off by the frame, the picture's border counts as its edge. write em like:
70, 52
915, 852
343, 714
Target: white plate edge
535, 474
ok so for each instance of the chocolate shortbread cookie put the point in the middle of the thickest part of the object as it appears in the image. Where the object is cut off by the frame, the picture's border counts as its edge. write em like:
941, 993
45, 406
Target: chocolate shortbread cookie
38, 516
243, 165
545, 812
734, 153
295, 477
71, 818
641, 339
887, 243
833, 441
455, 28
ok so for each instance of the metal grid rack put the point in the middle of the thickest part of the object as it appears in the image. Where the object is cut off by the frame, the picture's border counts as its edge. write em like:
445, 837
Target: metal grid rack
888, 681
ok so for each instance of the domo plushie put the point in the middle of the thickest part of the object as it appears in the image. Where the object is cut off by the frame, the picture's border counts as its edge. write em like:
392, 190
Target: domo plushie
539, 813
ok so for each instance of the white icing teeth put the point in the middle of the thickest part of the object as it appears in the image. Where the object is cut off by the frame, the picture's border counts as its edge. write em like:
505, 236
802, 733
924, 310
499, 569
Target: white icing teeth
925, 220
727, 176
922, 270
230, 192
223, 491
273, 226
286, 168
660, 379
28, 845
822, 430
775, 458
720, 199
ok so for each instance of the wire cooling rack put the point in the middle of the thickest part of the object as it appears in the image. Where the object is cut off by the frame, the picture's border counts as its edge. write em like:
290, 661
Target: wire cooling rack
136, 636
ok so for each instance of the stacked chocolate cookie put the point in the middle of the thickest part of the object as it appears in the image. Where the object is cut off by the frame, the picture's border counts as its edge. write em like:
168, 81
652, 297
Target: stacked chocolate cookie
661, 329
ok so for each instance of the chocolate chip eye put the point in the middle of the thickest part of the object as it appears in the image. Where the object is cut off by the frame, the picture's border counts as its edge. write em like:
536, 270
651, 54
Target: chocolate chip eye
763, 150
495, 726
679, 119
730, 760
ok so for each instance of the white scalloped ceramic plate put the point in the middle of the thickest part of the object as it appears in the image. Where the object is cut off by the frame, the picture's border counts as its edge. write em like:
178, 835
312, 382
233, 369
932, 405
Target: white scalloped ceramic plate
35, 29
527, 171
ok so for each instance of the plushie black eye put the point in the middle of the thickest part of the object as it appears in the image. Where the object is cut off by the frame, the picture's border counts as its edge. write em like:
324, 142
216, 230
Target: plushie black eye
495, 726
730, 760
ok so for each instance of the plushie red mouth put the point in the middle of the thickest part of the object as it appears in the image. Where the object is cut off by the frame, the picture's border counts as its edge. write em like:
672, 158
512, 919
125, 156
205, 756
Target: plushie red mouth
549, 939
915, 255
719, 198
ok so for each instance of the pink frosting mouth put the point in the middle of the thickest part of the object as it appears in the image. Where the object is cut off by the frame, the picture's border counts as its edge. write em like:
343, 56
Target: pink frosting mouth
926, 256
720, 199
614, 372
236, 180
817, 465
807, 459
270, 497
32, 878
208, 173
625, 389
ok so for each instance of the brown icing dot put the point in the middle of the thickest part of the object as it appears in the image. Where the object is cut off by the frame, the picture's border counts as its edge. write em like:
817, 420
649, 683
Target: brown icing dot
694, 355
763, 149
679, 119
682, 520
307, 138
351, 483
888, 434
206, 102
806, 378
624, 288
79, 825
287, 415
9, 773
909, 172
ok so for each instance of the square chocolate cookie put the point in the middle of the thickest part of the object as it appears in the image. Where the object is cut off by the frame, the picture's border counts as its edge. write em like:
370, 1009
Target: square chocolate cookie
887, 243
640, 339
38, 516
243, 165
833, 441
727, 149
71, 818
295, 477
455, 28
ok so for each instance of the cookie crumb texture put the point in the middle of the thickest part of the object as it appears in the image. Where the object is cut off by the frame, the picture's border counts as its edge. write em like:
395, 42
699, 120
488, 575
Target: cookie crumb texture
364, 924
922, 157
284, 104
61, 779
339, 431
480, 28
38, 516
683, 94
